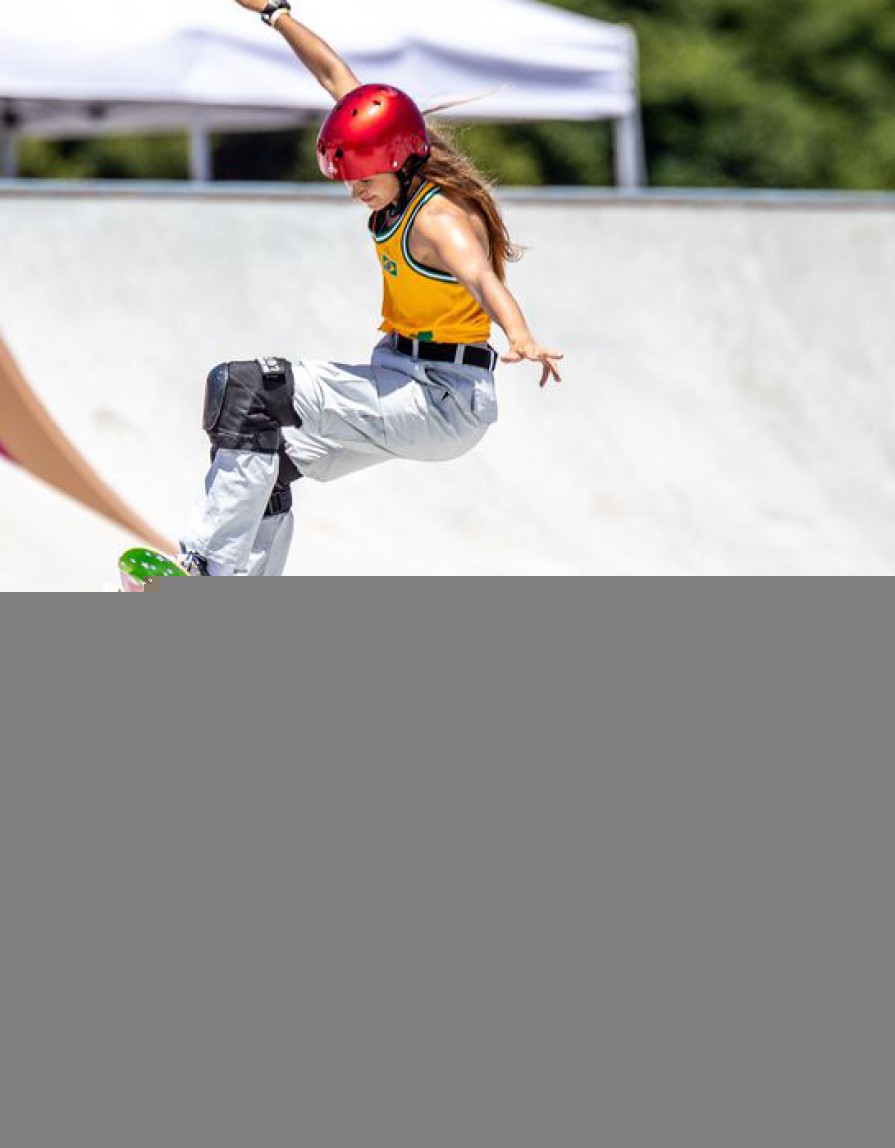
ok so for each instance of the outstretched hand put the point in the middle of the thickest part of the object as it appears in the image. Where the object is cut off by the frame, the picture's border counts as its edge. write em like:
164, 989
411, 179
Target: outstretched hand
521, 352
253, 5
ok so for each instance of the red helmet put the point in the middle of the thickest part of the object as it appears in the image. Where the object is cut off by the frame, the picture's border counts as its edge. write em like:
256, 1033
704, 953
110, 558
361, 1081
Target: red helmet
373, 130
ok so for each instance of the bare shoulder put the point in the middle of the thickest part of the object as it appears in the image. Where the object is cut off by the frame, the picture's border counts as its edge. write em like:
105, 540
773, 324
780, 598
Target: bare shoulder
445, 212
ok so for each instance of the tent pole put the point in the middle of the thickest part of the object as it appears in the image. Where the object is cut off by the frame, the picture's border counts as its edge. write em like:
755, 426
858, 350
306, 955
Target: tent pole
200, 153
630, 165
9, 154
630, 156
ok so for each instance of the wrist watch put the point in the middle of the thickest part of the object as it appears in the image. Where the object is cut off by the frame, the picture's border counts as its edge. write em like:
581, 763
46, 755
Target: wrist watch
273, 7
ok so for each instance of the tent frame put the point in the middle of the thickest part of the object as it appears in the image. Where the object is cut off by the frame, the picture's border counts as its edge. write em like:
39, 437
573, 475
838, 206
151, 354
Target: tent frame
628, 152
629, 158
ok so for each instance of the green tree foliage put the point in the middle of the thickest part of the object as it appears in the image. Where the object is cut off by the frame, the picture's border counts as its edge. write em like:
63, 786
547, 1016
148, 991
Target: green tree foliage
755, 93
736, 93
107, 157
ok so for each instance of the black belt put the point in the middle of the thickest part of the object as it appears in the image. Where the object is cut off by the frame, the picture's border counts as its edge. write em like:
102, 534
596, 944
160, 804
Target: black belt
458, 353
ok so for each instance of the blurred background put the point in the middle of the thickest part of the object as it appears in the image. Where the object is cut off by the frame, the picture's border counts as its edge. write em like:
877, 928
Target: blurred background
735, 94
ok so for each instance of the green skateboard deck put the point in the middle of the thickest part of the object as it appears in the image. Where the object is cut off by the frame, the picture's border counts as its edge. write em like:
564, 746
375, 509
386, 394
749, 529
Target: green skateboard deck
142, 570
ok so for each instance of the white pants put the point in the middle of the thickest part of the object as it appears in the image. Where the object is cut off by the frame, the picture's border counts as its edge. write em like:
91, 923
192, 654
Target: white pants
352, 417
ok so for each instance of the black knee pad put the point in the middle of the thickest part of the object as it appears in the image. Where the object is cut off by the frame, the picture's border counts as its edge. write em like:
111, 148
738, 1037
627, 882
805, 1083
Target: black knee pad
247, 404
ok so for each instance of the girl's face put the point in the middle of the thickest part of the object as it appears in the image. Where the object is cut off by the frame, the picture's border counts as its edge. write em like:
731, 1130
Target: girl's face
376, 192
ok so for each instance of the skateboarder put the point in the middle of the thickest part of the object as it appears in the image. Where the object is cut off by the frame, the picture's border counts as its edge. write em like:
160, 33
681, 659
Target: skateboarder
427, 392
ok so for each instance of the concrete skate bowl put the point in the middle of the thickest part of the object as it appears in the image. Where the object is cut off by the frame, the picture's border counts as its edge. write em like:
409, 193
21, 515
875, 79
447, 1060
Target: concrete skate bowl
30, 437
727, 405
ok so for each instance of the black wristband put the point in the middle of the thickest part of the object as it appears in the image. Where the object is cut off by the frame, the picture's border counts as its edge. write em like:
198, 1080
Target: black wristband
273, 7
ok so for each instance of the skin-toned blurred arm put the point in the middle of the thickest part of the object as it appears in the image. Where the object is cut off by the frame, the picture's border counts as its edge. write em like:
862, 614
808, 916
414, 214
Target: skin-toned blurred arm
325, 65
447, 240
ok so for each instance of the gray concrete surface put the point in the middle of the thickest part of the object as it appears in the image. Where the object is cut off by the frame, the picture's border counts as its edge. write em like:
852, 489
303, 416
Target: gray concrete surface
50, 543
727, 405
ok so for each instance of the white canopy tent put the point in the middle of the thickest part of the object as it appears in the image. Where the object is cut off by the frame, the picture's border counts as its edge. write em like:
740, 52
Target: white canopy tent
208, 65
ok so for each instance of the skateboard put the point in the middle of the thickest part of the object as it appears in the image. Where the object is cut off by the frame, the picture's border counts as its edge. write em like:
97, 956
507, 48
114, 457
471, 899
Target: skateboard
142, 570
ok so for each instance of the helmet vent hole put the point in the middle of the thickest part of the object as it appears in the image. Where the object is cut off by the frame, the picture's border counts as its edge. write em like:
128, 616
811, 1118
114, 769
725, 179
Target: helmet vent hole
339, 153
355, 112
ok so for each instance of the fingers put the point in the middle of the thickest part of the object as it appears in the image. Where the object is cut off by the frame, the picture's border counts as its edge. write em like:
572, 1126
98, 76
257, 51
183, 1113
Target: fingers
535, 354
550, 372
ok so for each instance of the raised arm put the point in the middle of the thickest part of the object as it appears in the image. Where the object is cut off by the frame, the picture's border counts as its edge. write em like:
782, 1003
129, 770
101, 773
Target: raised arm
326, 66
449, 242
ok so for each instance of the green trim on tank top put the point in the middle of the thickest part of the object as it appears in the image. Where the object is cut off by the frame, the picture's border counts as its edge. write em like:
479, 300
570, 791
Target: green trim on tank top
384, 236
419, 268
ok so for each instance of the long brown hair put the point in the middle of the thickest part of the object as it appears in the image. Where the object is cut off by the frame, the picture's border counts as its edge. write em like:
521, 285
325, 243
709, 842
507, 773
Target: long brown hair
458, 176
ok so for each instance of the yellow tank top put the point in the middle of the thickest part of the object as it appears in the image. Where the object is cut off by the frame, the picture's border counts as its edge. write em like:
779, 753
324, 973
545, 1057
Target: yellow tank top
419, 301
